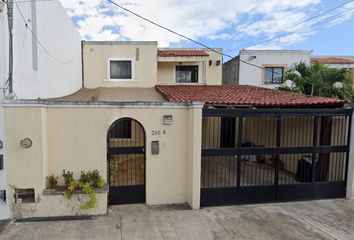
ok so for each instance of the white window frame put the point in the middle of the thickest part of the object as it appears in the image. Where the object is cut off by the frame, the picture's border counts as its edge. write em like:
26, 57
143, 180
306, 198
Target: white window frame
109, 79
200, 72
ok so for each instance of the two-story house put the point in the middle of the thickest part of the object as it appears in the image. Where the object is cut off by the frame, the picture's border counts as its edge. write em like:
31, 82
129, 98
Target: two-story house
151, 143
160, 128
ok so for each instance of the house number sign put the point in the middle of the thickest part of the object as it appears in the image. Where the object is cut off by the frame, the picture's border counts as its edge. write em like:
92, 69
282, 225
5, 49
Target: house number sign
158, 132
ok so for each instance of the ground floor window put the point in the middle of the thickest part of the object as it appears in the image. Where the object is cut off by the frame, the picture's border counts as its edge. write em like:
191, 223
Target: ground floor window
186, 74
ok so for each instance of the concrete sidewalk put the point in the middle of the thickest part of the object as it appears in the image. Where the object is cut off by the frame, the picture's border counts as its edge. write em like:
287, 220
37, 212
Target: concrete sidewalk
326, 219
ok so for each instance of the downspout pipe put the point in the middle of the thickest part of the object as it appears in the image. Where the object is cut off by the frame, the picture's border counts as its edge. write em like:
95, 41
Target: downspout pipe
10, 14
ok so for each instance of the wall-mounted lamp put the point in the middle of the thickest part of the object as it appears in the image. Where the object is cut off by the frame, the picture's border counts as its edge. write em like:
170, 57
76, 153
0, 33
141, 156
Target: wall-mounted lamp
218, 62
210, 62
26, 143
167, 119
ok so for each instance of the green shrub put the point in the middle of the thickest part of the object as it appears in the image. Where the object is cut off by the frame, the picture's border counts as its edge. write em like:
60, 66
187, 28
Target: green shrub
96, 179
87, 189
92, 177
87, 182
68, 177
52, 181
70, 188
85, 177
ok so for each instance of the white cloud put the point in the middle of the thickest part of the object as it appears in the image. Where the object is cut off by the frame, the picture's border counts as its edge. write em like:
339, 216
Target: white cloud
281, 42
213, 19
221, 36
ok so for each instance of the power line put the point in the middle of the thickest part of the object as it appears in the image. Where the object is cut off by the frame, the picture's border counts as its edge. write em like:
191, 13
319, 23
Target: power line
29, 1
184, 36
334, 17
295, 25
39, 42
331, 18
323, 13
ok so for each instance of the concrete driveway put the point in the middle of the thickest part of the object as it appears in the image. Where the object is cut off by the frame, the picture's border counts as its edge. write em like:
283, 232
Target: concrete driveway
326, 219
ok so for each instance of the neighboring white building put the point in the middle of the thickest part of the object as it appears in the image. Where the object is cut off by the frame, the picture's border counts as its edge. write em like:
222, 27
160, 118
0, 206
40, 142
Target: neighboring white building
271, 65
47, 57
340, 62
264, 68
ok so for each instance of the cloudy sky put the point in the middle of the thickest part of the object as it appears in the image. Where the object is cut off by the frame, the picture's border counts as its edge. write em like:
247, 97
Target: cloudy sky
230, 24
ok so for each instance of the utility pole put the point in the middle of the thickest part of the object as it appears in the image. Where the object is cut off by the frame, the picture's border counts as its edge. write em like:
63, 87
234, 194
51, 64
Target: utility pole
10, 17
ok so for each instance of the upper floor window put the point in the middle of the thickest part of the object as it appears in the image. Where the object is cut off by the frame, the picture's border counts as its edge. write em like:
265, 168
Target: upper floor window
186, 74
120, 69
274, 75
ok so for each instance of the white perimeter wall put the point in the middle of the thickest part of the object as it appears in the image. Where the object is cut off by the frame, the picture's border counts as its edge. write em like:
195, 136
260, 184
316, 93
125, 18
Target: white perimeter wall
57, 75
251, 75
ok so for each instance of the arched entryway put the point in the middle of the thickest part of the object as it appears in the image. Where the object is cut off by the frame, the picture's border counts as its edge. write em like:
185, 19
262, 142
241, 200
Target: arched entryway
126, 162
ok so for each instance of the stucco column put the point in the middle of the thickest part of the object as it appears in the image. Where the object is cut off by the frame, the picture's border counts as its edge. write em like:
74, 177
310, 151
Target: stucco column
350, 181
194, 152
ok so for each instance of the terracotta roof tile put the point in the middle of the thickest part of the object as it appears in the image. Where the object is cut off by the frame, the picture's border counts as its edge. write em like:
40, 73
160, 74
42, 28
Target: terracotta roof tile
182, 53
333, 60
243, 95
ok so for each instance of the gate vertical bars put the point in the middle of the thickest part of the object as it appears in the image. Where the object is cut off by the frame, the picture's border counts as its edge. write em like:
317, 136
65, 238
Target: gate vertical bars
348, 144
238, 174
314, 154
125, 158
277, 157
302, 118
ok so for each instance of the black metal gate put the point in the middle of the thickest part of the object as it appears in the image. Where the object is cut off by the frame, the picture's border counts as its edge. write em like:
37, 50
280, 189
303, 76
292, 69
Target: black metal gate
270, 155
126, 162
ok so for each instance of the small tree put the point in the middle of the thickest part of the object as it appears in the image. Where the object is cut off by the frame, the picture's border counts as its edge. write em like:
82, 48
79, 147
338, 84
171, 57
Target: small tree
319, 80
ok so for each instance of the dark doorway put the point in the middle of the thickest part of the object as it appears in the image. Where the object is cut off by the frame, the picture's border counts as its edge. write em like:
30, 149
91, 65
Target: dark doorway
227, 132
126, 162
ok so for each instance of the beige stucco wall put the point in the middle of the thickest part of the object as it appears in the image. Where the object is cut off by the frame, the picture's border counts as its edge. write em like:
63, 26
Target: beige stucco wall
97, 54
147, 68
194, 128
208, 74
74, 138
165, 73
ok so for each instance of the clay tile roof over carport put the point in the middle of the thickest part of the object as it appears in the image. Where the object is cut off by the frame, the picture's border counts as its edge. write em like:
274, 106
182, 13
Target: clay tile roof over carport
332, 60
243, 95
182, 53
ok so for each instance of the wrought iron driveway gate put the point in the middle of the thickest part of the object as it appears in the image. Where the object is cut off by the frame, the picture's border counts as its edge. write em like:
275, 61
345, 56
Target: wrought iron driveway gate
270, 155
126, 162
